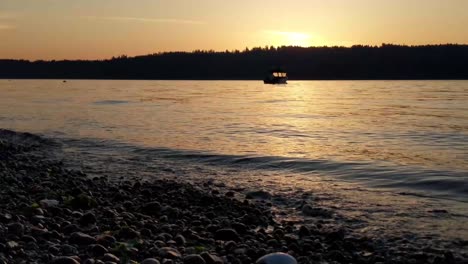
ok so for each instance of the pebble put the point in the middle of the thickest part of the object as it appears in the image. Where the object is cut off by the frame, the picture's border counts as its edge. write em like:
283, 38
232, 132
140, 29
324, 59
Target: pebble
65, 260
12, 244
88, 219
151, 208
227, 234
106, 240
263, 195
194, 259
168, 252
108, 257
164, 221
211, 259
309, 210
180, 240
276, 258
97, 250
150, 261
48, 203
16, 229
81, 239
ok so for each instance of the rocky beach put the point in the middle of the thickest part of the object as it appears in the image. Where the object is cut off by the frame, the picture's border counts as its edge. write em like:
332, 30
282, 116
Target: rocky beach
52, 214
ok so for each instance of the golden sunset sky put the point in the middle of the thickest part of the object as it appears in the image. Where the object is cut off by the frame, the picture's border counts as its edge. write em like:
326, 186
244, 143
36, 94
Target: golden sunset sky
98, 29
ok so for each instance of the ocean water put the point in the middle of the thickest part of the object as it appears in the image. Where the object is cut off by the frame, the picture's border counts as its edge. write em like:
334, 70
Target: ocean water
387, 153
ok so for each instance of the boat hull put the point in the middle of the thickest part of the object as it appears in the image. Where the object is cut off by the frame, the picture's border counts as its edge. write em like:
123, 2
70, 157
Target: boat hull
276, 81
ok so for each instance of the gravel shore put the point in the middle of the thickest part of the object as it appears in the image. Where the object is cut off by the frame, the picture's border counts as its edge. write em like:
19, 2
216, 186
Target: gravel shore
50, 214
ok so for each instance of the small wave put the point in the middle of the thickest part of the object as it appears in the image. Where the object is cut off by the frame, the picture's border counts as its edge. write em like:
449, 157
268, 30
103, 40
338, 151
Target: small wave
445, 184
25, 138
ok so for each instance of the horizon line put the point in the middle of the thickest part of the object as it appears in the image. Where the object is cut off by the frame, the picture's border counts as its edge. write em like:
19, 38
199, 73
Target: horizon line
246, 49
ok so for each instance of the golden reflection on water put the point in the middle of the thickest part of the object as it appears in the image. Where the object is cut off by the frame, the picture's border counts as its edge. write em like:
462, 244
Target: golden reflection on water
412, 122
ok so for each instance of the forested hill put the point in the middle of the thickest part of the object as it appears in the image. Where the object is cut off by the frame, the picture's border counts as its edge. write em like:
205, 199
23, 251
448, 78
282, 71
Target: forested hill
357, 62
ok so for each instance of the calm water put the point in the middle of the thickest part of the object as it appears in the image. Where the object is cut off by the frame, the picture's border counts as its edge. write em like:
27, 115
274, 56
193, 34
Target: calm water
401, 138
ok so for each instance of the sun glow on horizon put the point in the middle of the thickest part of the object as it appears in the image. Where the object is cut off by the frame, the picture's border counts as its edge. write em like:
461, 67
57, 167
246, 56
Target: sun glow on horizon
290, 38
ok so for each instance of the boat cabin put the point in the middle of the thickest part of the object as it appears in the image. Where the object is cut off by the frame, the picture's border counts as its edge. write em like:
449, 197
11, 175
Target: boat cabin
276, 76
279, 74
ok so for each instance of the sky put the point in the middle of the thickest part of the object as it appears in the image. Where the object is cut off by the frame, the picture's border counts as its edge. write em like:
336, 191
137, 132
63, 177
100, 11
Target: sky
100, 29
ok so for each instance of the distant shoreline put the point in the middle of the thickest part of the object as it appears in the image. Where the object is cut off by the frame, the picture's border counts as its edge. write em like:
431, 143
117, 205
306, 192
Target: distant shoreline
387, 62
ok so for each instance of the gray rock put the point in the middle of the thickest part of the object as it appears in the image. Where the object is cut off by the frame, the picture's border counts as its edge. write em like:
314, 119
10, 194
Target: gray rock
83, 201
150, 261
170, 253
240, 228
54, 250
38, 211
277, 258
304, 231
12, 245
65, 260
81, 239
68, 229
106, 240
88, 219
180, 240
151, 208
48, 203
308, 210
194, 259
227, 234
97, 250
28, 239
67, 250
211, 259
262, 195
16, 229
108, 257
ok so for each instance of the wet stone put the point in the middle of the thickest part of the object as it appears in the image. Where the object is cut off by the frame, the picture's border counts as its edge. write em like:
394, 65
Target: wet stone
16, 229
151, 208
89, 261
97, 250
108, 257
81, 239
263, 195
194, 259
211, 259
68, 250
276, 258
106, 240
170, 253
28, 239
227, 235
309, 210
180, 240
150, 261
304, 231
88, 219
65, 260
12, 245
240, 228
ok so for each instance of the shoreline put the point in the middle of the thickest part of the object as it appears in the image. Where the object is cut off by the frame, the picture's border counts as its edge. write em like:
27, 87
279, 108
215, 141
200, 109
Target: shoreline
50, 214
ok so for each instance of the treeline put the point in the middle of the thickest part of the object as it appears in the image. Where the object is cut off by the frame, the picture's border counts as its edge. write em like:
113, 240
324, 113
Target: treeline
388, 61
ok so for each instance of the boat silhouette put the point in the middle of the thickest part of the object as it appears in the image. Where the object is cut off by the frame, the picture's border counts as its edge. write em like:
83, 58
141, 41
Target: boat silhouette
276, 76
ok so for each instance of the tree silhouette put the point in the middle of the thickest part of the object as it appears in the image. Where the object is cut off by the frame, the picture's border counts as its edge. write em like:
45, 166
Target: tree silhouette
388, 61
